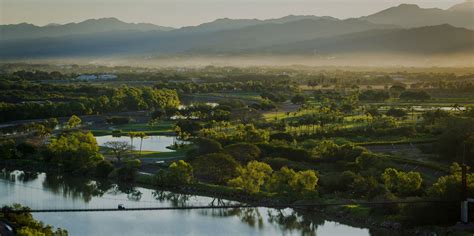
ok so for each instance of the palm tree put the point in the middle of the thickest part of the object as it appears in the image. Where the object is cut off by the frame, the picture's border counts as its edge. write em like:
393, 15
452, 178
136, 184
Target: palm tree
141, 135
456, 107
132, 135
412, 110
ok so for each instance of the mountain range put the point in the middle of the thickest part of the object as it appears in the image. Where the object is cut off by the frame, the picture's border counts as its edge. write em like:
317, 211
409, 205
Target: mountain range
404, 29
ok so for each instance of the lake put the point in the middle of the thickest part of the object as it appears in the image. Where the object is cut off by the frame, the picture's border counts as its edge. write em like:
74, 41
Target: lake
40, 191
157, 143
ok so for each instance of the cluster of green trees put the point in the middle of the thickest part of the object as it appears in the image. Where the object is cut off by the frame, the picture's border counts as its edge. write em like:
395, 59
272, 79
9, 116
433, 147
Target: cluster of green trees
252, 177
401, 183
240, 133
415, 95
248, 85
220, 168
25, 224
374, 95
74, 151
86, 103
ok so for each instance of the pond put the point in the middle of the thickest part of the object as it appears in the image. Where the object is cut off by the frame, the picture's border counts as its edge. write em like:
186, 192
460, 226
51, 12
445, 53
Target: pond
156, 143
41, 191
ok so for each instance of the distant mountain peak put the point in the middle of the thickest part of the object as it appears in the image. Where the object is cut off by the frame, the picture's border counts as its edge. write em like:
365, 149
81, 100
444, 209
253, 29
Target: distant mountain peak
467, 6
102, 20
52, 25
411, 15
408, 5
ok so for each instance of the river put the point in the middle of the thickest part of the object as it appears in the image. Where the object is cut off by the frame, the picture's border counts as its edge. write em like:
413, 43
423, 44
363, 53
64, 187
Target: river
41, 191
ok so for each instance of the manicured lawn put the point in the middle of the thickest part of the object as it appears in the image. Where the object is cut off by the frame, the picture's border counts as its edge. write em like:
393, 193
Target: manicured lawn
154, 154
162, 127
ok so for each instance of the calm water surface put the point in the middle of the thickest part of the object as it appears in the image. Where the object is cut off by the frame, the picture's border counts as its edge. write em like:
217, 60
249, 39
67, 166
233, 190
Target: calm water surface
151, 143
40, 191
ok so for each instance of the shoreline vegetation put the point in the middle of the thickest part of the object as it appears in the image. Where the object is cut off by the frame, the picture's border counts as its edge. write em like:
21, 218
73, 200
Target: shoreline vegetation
351, 213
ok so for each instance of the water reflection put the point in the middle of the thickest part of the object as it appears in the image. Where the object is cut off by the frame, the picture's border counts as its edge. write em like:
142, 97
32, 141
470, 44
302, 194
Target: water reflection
133, 194
21, 176
41, 191
289, 220
176, 199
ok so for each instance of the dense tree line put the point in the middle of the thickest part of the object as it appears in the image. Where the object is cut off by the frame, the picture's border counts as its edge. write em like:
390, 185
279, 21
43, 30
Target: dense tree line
120, 99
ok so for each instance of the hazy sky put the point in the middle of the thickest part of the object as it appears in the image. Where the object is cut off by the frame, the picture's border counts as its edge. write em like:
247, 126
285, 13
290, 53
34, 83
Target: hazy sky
190, 12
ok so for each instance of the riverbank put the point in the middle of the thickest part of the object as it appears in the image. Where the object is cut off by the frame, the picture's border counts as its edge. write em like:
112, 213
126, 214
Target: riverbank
349, 214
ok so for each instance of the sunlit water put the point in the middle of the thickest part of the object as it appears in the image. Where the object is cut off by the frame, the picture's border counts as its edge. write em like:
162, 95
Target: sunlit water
52, 192
151, 143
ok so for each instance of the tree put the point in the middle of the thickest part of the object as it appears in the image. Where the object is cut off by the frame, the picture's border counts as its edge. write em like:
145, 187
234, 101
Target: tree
415, 95
132, 135
158, 114
298, 99
397, 89
141, 135
73, 122
431, 117
103, 169
215, 167
397, 113
287, 180
25, 224
119, 148
178, 173
7, 149
453, 143
251, 177
374, 95
448, 187
182, 172
402, 183
243, 152
129, 171
206, 146
76, 151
